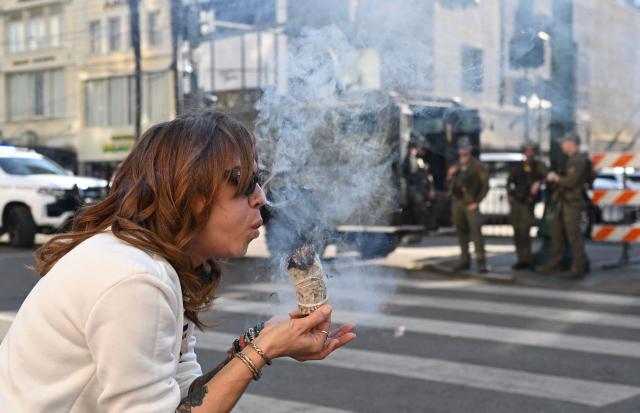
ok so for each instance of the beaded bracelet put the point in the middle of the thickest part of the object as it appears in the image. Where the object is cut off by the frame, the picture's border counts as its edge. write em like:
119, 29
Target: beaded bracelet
241, 342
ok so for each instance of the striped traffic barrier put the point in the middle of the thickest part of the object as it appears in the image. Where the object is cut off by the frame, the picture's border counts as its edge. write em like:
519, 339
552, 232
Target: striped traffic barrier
623, 233
615, 197
615, 160
616, 233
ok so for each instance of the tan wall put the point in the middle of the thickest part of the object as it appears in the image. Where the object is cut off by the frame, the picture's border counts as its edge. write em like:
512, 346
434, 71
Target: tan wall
79, 65
611, 31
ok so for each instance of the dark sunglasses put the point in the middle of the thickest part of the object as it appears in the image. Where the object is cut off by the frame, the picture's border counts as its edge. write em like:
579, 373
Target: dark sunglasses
234, 178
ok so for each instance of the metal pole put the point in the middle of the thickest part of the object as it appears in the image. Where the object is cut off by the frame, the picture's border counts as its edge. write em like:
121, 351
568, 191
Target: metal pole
176, 27
526, 120
134, 19
501, 90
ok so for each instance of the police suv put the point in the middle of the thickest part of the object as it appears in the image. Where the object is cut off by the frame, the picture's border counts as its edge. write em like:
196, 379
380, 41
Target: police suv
39, 196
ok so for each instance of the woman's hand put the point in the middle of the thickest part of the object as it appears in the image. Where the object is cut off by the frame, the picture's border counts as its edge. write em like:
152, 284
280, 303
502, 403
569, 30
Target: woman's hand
336, 338
301, 338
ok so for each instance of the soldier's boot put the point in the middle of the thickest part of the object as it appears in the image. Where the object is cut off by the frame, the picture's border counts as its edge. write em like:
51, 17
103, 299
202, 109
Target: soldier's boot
549, 268
577, 272
520, 265
464, 263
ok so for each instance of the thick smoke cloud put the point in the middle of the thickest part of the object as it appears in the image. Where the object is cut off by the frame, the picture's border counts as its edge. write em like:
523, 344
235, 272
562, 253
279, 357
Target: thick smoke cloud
322, 142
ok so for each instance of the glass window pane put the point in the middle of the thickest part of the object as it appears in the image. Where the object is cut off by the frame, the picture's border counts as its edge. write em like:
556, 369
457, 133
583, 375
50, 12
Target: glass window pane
18, 98
154, 30
118, 101
95, 102
16, 35
115, 37
38, 95
55, 32
157, 99
95, 37
57, 100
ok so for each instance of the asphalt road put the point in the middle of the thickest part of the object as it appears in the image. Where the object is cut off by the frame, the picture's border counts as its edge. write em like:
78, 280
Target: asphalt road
425, 344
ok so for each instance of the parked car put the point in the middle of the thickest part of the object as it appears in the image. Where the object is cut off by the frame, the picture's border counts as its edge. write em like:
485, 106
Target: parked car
495, 206
39, 196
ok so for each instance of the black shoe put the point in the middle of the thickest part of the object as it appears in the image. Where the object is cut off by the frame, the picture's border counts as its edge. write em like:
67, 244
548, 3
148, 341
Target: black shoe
548, 269
576, 275
461, 266
482, 268
520, 265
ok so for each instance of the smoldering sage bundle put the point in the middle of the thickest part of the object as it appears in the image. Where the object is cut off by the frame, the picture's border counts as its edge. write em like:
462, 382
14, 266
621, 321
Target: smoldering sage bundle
308, 279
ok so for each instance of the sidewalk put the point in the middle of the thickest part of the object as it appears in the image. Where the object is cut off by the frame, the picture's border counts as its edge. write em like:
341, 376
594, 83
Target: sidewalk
439, 253
436, 254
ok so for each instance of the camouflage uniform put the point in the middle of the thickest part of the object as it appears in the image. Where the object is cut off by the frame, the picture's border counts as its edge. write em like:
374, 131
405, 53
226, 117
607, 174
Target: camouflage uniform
419, 183
570, 203
521, 177
468, 185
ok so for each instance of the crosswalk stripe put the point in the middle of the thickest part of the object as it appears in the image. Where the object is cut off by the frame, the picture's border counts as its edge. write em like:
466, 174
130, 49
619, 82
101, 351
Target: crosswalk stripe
458, 304
251, 403
521, 291
585, 392
525, 337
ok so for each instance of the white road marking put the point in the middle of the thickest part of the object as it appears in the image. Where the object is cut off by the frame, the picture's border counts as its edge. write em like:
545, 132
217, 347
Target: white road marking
251, 403
479, 306
585, 392
510, 335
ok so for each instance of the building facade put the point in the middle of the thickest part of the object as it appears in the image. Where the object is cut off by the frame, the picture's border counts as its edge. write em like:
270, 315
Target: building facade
466, 55
66, 66
66, 76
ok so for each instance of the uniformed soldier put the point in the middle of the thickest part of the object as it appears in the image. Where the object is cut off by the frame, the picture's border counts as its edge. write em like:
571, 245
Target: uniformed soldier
523, 189
570, 201
468, 181
419, 185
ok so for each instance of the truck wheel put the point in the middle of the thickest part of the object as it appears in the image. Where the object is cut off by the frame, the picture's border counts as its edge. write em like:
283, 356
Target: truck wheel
21, 228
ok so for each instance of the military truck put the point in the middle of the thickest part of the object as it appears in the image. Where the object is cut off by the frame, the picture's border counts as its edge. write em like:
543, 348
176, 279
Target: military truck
421, 134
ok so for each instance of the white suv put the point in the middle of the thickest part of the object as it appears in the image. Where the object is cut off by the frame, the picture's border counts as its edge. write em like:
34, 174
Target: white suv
38, 195
495, 206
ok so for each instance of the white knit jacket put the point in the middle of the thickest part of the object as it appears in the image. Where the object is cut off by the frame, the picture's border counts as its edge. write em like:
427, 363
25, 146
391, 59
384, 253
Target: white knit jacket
101, 332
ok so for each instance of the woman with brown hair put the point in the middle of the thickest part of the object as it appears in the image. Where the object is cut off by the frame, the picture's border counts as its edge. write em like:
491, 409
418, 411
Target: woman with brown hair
109, 326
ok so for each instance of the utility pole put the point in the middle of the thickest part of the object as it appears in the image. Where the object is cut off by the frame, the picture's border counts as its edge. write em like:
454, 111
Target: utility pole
563, 78
134, 19
176, 41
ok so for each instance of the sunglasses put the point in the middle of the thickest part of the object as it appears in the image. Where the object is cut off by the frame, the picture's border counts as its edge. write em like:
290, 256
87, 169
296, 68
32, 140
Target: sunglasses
234, 178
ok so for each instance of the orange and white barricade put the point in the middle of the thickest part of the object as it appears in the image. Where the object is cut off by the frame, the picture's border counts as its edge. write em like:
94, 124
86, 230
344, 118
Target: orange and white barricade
616, 160
616, 233
622, 197
624, 233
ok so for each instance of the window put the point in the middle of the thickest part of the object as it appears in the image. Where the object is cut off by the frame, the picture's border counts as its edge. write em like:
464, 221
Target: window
111, 101
155, 33
156, 93
37, 31
16, 34
30, 166
95, 37
115, 36
37, 94
472, 69
55, 27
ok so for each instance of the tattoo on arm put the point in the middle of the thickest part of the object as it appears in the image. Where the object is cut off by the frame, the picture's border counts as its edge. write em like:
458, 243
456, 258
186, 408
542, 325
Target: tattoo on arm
194, 399
198, 390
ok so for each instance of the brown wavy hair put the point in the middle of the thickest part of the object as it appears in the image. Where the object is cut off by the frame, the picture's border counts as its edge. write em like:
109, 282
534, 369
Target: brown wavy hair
150, 204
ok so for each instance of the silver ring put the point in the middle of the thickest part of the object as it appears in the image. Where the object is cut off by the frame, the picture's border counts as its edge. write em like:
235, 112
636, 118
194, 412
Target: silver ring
326, 335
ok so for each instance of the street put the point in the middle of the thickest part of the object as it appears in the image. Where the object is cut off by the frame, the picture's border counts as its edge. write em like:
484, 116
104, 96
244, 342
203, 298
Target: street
426, 343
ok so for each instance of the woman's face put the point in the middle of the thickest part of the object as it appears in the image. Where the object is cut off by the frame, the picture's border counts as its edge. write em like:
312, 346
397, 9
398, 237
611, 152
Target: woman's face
232, 225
